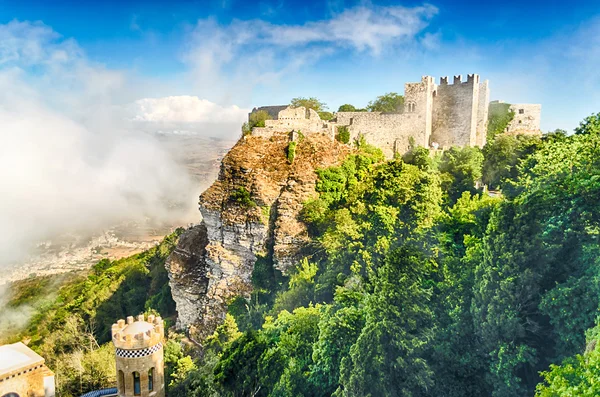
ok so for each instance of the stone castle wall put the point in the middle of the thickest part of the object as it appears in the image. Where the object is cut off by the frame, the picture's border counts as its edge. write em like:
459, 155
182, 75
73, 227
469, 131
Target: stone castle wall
26, 373
391, 132
526, 120
482, 114
455, 112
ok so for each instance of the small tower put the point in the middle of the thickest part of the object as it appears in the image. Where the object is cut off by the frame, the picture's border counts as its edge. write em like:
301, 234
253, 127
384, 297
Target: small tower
139, 356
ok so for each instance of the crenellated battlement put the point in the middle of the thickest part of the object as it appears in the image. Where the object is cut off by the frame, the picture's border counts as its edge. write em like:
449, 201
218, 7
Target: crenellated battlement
139, 334
458, 80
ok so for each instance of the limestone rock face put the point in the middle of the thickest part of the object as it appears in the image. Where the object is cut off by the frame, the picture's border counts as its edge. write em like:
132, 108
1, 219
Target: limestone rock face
251, 210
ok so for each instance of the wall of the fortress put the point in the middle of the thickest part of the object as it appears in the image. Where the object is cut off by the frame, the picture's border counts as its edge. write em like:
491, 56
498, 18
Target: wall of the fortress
455, 112
449, 114
482, 113
526, 120
391, 132
35, 383
418, 99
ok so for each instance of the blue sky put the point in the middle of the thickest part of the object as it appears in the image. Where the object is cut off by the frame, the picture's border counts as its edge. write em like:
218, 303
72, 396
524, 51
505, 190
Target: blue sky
233, 52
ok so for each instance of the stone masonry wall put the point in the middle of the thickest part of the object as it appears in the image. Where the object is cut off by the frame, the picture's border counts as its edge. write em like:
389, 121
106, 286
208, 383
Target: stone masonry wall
482, 113
455, 112
390, 132
526, 120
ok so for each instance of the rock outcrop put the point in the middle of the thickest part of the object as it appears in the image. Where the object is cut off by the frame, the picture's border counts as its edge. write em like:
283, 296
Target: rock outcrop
251, 210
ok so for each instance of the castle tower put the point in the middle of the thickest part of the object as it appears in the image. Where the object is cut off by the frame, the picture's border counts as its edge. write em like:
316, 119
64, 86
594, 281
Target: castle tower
458, 119
139, 356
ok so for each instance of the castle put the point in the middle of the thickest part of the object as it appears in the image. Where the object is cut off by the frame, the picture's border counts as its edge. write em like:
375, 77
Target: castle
434, 115
139, 356
23, 373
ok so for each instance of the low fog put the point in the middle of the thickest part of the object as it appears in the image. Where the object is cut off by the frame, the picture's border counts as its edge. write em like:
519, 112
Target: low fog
79, 152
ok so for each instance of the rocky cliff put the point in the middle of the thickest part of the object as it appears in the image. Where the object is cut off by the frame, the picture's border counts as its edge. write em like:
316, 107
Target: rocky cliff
251, 210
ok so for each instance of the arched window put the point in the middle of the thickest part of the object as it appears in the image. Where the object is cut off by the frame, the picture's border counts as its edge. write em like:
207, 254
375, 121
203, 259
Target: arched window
137, 390
151, 379
121, 384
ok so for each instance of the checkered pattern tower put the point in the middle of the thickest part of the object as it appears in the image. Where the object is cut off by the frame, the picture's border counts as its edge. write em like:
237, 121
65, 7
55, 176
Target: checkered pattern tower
139, 356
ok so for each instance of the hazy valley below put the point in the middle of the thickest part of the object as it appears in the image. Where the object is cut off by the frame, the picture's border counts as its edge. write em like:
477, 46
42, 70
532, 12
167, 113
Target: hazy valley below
75, 250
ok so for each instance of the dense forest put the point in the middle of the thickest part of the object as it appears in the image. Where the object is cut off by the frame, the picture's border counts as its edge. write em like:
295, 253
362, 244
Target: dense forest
418, 282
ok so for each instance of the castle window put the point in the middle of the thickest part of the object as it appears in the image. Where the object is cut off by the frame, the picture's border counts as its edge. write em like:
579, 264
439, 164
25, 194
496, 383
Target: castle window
521, 111
520, 121
121, 383
151, 379
137, 390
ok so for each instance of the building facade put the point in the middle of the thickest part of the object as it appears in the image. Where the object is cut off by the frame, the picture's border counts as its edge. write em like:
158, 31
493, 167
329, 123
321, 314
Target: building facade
139, 356
23, 373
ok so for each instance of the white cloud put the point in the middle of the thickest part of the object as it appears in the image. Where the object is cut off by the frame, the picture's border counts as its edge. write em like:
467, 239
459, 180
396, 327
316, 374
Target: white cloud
187, 109
232, 59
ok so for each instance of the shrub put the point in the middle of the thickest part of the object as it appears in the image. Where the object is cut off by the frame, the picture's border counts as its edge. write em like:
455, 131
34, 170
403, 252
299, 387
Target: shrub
256, 119
242, 196
326, 115
291, 151
343, 134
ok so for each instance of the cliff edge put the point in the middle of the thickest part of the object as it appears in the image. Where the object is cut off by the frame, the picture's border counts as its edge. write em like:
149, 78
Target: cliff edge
251, 210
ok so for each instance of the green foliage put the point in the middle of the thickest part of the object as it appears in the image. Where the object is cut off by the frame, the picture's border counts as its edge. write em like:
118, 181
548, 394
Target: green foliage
350, 108
390, 102
577, 376
347, 108
326, 116
591, 125
240, 370
309, 103
503, 155
499, 116
343, 134
386, 359
461, 169
291, 151
418, 156
300, 291
71, 328
182, 368
255, 119
242, 196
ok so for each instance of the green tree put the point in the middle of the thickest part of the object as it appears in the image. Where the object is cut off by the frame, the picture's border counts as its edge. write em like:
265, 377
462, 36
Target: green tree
461, 169
255, 119
502, 157
387, 359
326, 116
590, 125
390, 102
309, 103
347, 108
499, 116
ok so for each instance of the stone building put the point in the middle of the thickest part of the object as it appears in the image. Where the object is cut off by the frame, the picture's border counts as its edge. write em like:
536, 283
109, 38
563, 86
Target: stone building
526, 119
434, 115
23, 373
139, 356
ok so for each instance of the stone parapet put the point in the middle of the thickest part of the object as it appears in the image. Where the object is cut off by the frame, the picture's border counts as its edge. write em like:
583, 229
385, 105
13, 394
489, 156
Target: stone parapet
125, 335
